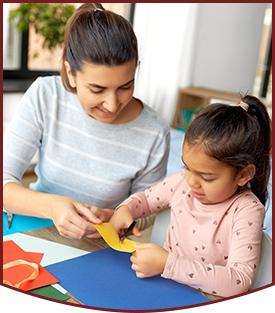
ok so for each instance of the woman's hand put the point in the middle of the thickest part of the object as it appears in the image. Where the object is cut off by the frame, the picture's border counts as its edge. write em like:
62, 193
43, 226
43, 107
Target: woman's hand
75, 220
71, 218
103, 214
148, 260
122, 219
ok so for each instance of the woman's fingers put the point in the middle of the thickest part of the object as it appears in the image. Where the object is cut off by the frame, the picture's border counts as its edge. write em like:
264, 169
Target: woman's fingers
70, 230
103, 214
94, 235
90, 215
78, 223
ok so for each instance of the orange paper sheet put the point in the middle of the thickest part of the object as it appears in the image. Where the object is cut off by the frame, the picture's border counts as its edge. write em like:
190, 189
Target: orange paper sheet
109, 234
12, 252
36, 256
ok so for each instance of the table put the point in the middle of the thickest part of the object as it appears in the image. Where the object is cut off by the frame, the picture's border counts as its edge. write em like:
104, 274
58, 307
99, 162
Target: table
50, 233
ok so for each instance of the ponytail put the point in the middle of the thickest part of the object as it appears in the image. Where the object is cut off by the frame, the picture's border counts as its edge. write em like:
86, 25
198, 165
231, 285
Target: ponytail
258, 114
237, 136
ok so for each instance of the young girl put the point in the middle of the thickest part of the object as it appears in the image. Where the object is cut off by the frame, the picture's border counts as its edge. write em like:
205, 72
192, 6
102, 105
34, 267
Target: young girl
97, 144
217, 203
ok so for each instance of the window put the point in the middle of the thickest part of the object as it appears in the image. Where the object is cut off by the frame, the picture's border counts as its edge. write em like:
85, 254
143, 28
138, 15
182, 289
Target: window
263, 80
19, 64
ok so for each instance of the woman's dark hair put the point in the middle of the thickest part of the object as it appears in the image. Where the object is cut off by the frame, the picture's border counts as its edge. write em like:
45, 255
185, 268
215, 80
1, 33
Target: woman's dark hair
98, 36
237, 138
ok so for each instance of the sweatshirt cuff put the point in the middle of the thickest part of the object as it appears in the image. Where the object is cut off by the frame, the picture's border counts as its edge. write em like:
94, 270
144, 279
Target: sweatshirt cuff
169, 266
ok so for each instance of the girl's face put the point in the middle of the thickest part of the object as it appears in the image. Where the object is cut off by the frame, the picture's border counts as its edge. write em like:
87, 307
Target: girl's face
212, 181
104, 91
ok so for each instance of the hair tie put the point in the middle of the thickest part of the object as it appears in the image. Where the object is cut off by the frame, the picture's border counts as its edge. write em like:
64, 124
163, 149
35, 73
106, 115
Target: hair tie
98, 10
244, 105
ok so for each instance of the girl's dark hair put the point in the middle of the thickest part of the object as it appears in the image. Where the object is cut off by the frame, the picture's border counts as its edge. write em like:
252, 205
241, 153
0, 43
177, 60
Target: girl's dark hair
98, 36
236, 137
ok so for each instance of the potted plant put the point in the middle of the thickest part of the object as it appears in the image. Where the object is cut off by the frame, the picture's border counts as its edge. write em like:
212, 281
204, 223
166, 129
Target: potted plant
48, 20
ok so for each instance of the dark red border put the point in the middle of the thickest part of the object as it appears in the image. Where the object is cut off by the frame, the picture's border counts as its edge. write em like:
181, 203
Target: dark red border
261, 298
13, 300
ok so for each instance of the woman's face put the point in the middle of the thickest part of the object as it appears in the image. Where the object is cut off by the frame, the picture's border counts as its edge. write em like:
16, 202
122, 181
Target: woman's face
104, 91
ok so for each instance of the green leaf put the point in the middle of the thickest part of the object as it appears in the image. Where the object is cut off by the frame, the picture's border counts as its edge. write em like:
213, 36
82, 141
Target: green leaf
48, 19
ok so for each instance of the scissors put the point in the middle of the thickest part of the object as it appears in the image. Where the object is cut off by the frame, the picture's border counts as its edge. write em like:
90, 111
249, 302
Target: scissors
10, 216
128, 231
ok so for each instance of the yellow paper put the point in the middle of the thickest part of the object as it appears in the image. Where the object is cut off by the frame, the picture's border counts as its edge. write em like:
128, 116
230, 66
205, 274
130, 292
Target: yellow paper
109, 234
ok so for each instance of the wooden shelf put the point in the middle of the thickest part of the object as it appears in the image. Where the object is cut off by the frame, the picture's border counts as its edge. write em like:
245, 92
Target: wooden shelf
192, 97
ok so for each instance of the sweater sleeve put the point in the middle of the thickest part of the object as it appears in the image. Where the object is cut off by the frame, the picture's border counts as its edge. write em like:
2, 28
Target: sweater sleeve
241, 268
23, 136
153, 199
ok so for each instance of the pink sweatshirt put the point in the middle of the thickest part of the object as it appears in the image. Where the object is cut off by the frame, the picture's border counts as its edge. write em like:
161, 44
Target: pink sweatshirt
213, 248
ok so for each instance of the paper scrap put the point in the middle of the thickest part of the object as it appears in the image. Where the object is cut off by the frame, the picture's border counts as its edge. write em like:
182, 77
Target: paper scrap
109, 234
21, 223
53, 252
12, 252
50, 292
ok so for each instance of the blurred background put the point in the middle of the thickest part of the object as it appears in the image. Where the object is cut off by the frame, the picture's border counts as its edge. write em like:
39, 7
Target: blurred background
223, 47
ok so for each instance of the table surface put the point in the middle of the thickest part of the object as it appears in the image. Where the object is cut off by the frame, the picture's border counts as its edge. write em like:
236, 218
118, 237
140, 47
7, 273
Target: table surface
51, 233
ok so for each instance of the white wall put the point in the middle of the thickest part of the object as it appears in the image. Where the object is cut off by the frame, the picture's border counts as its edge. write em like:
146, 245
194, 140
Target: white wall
10, 104
166, 35
212, 45
228, 42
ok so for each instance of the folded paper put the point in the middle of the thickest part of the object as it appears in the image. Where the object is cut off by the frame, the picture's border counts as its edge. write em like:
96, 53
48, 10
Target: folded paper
33, 275
22, 276
109, 234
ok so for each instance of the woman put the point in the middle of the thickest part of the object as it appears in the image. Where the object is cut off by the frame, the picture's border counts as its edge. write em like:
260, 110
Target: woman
97, 143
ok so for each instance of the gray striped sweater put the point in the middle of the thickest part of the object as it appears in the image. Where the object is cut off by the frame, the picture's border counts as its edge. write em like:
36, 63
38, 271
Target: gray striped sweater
95, 163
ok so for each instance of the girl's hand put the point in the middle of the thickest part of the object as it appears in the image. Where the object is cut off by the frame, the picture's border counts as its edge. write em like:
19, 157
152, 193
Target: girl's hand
148, 260
122, 219
75, 220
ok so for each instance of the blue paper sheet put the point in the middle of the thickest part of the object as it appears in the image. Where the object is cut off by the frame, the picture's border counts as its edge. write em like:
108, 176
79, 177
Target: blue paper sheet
21, 223
104, 279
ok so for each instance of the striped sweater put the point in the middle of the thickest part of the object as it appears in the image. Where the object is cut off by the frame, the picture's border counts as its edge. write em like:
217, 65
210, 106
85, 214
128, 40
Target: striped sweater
95, 163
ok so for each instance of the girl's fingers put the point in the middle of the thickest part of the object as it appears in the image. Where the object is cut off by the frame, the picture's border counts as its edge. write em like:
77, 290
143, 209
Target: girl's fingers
134, 267
136, 232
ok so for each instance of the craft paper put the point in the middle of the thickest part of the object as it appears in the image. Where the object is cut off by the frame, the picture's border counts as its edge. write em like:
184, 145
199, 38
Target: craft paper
104, 279
109, 234
29, 271
21, 223
53, 252
50, 292
12, 252
36, 256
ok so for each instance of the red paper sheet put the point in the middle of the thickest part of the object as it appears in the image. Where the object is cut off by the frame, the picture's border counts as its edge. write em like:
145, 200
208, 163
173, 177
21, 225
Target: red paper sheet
12, 252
